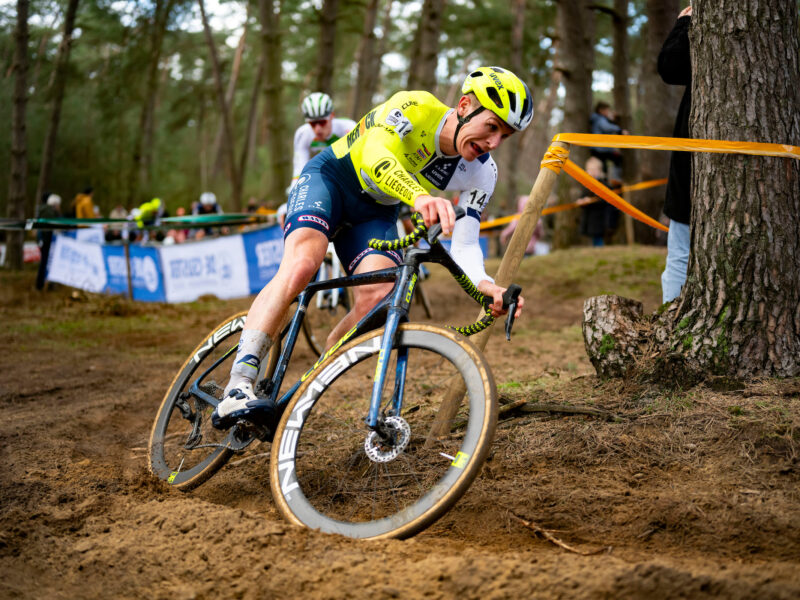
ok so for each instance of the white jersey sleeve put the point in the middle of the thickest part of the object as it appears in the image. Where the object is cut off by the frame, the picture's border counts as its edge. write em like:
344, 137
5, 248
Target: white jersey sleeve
466, 248
302, 150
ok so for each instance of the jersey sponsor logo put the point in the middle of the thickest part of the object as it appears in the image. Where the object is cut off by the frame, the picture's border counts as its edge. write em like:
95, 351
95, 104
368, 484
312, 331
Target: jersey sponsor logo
375, 192
383, 166
411, 158
401, 184
396, 119
423, 152
356, 260
441, 170
366, 123
314, 219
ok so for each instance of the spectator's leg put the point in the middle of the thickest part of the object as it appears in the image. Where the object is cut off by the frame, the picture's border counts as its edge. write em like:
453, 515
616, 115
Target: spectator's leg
674, 276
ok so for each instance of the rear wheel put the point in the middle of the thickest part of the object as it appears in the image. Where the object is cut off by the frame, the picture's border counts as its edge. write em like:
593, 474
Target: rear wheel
332, 473
185, 449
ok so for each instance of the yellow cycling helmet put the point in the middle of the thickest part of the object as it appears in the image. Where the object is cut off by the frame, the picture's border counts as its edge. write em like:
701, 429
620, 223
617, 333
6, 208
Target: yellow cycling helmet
501, 92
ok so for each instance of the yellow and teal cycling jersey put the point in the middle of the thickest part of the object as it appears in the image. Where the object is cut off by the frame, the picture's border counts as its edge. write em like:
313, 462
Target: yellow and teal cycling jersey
396, 155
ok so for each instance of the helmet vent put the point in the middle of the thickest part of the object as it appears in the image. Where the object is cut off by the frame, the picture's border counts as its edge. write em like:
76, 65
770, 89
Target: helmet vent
476, 74
512, 103
494, 96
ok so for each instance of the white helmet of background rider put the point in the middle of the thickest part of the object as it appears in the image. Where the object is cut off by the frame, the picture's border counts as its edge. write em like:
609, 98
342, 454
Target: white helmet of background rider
317, 106
208, 199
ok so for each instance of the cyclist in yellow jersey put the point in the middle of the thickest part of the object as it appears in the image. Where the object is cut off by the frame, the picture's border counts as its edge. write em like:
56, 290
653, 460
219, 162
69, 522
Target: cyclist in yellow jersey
411, 149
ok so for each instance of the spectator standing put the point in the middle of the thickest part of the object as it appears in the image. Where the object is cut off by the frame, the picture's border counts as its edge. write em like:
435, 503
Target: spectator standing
50, 209
675, 68
206, 206
598, 219
83, 205
602, 122
114, 231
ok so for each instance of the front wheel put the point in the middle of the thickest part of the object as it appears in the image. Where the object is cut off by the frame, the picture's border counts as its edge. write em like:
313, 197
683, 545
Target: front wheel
329, 472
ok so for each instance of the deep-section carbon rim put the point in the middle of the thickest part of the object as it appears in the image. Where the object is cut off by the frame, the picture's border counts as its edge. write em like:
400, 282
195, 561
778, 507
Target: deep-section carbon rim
321, 476
185, 449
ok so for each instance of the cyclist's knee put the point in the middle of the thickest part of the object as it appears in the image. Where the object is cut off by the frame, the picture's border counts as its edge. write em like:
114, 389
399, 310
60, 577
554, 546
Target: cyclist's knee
369, 296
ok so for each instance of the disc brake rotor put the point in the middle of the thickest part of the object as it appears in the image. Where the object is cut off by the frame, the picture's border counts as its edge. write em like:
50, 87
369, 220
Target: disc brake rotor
377, 451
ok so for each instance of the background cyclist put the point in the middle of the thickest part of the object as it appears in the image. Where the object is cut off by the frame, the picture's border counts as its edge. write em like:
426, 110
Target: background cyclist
320, 130
412, 149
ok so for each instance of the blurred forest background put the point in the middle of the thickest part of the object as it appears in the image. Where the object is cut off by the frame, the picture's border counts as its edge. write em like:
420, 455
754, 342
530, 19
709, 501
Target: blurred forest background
171, 98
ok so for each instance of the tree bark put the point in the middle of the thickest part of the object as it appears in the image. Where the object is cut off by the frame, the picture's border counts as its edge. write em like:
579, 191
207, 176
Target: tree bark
270, 11
659, 106
739, 312
219, 152
361, 97
576, 26
225, 114
622, 98
19, 150
517, 141
143, 143
327, 45
425, 49
57, 90
740, 308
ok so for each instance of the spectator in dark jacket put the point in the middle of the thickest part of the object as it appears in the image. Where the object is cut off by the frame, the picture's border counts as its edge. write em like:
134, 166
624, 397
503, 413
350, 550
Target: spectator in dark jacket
50, 209
675, 68
602, 122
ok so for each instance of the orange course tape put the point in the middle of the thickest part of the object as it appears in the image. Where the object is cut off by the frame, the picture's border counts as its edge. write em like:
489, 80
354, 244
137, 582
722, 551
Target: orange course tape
643, 185
686, 144
582, 177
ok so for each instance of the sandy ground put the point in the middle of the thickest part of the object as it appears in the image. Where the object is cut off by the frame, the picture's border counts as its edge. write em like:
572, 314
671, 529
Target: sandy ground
677, 493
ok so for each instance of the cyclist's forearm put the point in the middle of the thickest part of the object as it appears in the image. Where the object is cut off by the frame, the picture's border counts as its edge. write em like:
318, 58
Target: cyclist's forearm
466, 249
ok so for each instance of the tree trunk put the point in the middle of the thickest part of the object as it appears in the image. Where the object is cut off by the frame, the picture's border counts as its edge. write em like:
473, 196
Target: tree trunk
361, 98
252, 116
740, 308
225, 114
327, 45
57, 91
19, 150
739, 312
537, 142
270, 11
576, 25
659, 106
143, 143
425, 48
622, 101
219, 152
516, 142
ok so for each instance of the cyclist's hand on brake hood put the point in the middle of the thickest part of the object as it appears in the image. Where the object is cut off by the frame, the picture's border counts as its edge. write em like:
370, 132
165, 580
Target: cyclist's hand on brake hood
436, 210
487, 288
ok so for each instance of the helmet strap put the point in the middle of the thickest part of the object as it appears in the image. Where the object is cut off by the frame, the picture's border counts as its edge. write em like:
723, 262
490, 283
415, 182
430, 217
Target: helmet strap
463, 121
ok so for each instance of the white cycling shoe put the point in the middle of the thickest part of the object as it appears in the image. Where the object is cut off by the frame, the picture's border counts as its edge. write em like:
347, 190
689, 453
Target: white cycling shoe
241, 403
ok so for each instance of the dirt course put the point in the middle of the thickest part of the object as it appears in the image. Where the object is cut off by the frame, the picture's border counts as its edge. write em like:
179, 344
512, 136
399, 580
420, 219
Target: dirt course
636, 490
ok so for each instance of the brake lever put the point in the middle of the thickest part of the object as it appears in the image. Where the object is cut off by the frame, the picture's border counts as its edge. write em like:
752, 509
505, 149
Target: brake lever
510, 298
435, 230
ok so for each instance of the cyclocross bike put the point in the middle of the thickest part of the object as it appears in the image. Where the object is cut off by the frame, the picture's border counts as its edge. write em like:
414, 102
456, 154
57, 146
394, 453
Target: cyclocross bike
362, 446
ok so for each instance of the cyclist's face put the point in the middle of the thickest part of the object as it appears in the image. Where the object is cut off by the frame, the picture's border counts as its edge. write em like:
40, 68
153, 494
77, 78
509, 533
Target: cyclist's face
484, 132
322, 128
